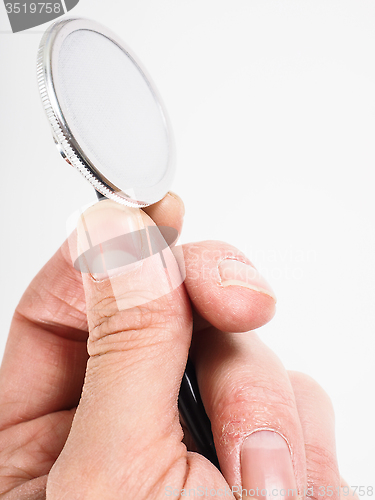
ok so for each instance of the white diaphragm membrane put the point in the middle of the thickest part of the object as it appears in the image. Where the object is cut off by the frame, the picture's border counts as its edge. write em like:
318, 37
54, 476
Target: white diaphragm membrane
111, 110
106, 115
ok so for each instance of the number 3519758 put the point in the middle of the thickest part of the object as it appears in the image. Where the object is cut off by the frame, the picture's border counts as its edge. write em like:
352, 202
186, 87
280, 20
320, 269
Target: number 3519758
32, 8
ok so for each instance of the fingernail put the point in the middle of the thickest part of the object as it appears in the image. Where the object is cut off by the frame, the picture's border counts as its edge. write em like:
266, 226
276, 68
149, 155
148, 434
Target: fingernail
234, 272
266, 467
110, 239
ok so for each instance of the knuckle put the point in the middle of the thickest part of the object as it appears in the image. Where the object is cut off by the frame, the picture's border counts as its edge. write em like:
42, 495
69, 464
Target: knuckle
116, 323
138, 328
101, 310
253, 406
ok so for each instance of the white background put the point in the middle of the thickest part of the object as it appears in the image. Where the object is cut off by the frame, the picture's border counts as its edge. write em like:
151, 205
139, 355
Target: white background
273, 109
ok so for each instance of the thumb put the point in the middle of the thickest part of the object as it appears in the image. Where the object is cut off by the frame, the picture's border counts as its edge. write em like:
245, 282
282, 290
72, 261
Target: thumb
126, 433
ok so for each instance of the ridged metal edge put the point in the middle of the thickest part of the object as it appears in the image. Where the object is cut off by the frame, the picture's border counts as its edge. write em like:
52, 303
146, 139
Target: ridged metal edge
60, 138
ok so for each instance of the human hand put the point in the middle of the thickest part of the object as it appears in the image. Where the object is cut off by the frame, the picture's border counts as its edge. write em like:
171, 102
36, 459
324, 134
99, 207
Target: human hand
126, 440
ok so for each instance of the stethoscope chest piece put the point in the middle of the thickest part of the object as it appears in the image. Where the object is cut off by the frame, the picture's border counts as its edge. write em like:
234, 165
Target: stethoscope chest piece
106, 115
